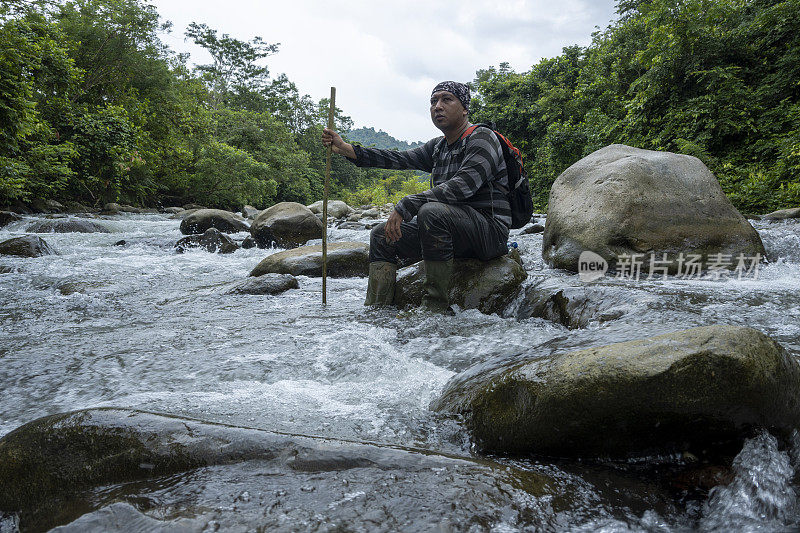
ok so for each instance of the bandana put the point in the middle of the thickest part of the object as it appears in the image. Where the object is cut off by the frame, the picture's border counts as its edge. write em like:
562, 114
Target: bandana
460, 90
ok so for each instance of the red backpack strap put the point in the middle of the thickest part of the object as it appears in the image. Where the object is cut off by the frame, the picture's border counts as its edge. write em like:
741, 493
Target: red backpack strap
469, 130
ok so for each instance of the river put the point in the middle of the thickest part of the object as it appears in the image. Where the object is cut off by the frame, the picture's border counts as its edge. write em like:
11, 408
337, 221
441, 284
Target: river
140, 326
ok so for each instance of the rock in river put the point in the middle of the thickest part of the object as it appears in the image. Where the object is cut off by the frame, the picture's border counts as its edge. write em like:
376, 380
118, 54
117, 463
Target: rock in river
488, 286
50, 468
212, 240
699, 387
67, 225
336, 208
25, 246
620, 201
7, 217
783, 214
202, 219
266, 284
287, 224
345, 260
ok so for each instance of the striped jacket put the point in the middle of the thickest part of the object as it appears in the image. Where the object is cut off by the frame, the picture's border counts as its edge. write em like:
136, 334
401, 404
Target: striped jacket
466, 172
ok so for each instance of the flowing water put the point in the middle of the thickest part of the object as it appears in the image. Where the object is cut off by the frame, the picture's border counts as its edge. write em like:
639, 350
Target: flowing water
140, 326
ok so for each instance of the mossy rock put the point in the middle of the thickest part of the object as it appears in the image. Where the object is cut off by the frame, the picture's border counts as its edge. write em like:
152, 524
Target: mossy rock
67, 225
26, 246
287, 225
197, 222
345, 260
620, 201
48, 464
488, 286
702, 387
783, 214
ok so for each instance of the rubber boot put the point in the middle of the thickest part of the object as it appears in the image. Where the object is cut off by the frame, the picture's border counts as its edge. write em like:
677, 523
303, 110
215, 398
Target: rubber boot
380, 288
436, 288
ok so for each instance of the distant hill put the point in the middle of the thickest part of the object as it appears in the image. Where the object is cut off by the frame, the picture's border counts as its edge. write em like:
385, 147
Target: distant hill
379, 139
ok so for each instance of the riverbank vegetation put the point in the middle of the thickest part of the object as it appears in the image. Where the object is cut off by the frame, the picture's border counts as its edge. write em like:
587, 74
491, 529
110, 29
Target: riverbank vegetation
95, 109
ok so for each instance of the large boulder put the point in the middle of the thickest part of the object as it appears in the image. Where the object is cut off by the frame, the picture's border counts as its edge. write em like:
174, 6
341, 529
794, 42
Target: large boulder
25, 246
620, 201
336, 208
7, 217
266, 284
783, 214
488, 286
49, 464
345, 260
213, 240
202, 219
287, 224
690, 389
67, 225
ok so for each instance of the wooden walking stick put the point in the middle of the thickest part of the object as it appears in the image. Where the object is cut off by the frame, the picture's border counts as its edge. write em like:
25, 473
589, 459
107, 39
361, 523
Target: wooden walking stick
325, 202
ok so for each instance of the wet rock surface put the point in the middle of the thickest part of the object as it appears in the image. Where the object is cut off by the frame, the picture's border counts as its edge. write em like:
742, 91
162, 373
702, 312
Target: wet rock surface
49, 467
699, 387
287, 224
621, 200
7, 217
783, 214
26, 246
488, 286
336, 208
203, 219
345, 260
67, 225
212, 240
265, 284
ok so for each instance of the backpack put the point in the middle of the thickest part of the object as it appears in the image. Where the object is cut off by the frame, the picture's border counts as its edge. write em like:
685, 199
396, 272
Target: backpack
519, 197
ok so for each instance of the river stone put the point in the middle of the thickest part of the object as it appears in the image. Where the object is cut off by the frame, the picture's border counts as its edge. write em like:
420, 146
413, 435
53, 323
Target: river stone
49, 464
196, 207
7, 217
111, 208
174, 210
371, 213
203, 219
67, 225
250, 212
26, 246
266, 284
180, 215
345, 260
212, 240
699, 387
336, 208
287, 224
532, 229
621, 200
783, 214
488, 286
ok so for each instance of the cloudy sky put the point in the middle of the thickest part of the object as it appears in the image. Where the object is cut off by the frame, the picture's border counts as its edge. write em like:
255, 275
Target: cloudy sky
384, 57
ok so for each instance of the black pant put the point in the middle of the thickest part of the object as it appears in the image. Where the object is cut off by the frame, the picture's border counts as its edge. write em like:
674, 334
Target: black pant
441, 232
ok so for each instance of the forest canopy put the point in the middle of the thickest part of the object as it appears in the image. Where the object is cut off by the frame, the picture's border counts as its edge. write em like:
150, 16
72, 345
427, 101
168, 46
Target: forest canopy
94, 108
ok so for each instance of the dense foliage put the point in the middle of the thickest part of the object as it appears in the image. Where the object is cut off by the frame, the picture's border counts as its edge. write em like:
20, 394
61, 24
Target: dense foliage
379, 139
717, 79
94, 109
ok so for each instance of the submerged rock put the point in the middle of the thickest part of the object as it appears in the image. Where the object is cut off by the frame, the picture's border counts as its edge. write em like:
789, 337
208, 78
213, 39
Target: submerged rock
203, 219
266, 284
783, 214
213, 240
49, 464
67, 225
345, 260
699, 387
620, 201
26, 246
488, 286
287, 224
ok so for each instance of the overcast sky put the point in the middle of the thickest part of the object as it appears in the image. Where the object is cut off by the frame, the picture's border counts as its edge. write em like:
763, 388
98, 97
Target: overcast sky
384, 57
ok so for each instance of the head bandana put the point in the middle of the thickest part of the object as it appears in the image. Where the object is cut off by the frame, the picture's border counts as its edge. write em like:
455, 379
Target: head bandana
459, 89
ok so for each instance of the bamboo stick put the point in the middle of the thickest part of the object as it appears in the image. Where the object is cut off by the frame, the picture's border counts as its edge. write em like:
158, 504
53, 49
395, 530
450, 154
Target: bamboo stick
325, 203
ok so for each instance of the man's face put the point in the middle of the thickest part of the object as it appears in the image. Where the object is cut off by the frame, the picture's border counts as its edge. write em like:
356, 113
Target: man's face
446, 110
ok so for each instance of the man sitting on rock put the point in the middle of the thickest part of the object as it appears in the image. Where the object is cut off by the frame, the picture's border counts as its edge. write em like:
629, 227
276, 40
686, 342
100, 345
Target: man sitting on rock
465, 213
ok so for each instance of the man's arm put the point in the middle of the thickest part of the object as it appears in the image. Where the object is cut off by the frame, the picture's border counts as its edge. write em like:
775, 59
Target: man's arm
420, 158
481, 163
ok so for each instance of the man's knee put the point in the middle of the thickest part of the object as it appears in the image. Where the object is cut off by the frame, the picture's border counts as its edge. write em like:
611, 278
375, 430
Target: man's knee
432, 212
377, 234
